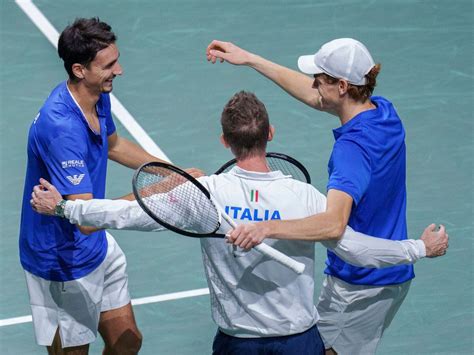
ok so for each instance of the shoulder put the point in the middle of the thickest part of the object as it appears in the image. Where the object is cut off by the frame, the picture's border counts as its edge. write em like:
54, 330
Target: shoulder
348, 145
57, 117
214, 182
299, 188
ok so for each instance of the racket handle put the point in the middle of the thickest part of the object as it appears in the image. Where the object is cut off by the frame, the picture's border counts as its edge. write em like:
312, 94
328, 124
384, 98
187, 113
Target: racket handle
281, 258
267, 250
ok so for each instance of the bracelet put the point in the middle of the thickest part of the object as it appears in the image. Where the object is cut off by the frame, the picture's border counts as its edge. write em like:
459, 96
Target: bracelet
59, 209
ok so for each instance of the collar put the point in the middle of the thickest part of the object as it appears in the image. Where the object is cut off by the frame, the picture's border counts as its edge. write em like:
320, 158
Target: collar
254, 175
358, 119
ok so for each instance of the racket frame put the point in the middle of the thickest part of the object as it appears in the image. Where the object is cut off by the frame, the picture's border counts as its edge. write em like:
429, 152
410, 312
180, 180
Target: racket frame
275, 155
159, 220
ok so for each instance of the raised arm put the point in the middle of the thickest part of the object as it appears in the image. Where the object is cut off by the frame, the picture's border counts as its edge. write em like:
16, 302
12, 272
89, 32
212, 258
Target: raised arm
295, 83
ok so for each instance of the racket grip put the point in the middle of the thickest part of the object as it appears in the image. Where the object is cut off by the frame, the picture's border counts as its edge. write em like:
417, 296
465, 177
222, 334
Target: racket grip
281, 258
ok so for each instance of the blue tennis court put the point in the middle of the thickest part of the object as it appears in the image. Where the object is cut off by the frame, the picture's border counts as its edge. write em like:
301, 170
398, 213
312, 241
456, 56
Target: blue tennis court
174, 94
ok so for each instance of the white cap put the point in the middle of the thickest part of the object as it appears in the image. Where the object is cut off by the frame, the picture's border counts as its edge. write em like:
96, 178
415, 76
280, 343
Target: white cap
342, 58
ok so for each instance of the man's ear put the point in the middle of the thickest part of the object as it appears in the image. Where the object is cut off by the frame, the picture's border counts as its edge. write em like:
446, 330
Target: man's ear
78, 70
223, 141
271, 133
343, 85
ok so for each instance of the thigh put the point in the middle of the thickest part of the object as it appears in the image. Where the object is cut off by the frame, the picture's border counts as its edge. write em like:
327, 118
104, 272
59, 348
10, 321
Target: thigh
71, 307
57, 349
115, 283
118, 327
353, 318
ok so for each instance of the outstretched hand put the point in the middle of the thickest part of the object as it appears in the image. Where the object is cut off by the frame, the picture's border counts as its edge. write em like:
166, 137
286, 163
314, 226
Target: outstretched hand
436, 241
44, 198
226, 51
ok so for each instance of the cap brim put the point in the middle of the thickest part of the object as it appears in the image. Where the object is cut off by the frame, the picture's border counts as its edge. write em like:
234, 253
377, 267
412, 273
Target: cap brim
307, 66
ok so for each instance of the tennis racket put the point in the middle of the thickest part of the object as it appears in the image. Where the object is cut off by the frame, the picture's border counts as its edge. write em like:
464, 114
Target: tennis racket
277, 161
180, 203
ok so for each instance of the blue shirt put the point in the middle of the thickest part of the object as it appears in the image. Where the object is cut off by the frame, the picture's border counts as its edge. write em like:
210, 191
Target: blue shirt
368, 162
63, 149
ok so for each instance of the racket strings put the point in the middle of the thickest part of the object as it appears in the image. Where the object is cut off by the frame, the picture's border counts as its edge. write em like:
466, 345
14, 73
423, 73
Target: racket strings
286, 168
173, 199
276, 163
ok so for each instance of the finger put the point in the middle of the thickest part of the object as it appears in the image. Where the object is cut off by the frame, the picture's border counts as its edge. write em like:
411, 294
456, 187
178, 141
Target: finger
219, 54
233, 235
215, 43
37, 188
45, 183
442, 229
430, 228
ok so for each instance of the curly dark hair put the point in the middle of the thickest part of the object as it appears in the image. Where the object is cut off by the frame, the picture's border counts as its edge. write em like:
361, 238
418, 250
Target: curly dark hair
80, 42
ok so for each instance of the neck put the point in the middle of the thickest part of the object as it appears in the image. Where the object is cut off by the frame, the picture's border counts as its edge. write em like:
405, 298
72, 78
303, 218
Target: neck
350, 109
84, 97
257, 163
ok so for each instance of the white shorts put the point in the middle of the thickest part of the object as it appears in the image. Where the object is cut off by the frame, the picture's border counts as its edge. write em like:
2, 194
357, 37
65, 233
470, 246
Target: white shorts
75, 306
354, 317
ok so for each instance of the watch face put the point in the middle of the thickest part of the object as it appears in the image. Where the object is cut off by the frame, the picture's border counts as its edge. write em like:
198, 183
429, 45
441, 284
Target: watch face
59, 209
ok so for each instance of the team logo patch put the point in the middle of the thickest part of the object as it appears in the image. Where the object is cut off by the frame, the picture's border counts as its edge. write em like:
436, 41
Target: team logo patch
75, 179
72, 164
253, 195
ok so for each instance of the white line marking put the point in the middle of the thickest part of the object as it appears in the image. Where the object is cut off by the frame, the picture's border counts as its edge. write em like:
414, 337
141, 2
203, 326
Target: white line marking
135, 302
16, 320
37, 17
127, 120
170, 296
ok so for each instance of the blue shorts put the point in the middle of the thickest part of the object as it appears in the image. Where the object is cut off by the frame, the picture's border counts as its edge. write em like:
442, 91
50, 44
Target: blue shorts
306, 343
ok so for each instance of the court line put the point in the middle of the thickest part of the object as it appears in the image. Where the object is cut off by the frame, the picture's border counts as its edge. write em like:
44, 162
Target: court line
129, 122
122, 114
135, 302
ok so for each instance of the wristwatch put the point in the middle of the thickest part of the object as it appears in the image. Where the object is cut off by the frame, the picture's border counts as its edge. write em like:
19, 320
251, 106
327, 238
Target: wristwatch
59, 209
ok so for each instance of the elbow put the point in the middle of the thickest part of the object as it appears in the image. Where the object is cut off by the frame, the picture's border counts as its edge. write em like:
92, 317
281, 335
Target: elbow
336, 231
86, 230
112, 155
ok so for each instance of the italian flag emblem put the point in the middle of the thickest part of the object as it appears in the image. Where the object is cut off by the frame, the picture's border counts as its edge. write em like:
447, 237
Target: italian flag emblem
253, 195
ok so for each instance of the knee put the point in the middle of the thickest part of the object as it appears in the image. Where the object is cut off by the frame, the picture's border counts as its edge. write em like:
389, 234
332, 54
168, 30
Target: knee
129, 343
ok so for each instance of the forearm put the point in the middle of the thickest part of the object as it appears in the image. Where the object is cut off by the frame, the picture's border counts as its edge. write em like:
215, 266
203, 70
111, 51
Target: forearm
129, 154
318, 227
112, 214
361, 250
295, 83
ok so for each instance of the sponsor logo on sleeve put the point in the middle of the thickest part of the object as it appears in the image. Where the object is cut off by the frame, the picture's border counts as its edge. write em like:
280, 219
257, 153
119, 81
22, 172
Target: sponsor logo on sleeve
75, 179
72, 164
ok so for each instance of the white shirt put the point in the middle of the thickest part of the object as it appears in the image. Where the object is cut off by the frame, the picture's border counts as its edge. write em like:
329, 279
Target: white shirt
251, 295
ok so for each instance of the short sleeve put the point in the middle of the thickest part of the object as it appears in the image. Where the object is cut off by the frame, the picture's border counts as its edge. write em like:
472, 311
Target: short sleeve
349, 169
66, 164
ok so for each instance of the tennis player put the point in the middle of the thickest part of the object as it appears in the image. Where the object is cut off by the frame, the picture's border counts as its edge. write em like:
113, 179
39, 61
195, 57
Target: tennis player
256, 302
366, 187
76, 275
